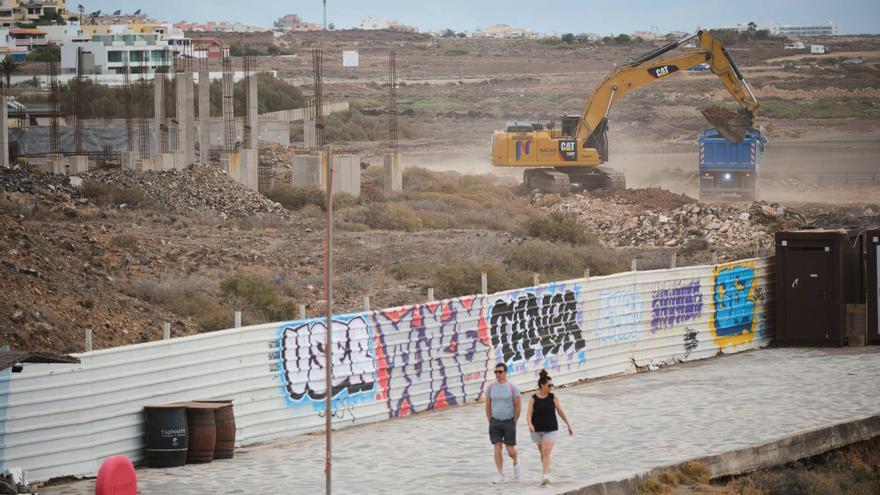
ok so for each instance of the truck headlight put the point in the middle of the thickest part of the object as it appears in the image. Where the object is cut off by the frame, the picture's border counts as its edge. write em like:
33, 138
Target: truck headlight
727, 176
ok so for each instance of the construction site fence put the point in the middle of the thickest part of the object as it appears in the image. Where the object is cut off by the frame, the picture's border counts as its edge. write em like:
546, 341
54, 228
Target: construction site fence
64, 420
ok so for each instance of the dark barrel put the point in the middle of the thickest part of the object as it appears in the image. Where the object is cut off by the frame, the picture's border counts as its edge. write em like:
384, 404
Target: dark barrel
166, 432
224, 421
202, 432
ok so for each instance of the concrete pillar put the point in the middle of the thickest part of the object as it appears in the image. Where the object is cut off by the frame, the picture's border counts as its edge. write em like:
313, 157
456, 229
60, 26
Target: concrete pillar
183, 127
230, 162
248, 168
307, 171
393, 173
158, 111
253, 114
4, 133
190, 119
76, 165
179, 160
310, 135
347, 174
163, 161
144, 165
128, 160
204, 115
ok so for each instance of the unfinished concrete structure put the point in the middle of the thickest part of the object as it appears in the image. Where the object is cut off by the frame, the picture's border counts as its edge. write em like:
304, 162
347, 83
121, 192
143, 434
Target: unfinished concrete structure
4, 132
310, 172
184, 129
204, 114
158, 113
393, 173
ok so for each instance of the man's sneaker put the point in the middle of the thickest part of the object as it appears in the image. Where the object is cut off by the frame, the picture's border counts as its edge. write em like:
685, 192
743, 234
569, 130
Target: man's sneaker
516, 471
545, 479
498, 479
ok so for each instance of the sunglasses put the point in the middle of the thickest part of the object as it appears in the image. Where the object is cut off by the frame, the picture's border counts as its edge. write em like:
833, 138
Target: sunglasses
500, 372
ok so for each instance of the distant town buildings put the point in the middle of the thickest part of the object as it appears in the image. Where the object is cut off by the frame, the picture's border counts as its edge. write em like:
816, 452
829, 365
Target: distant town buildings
505, 32
294, 23
372, 23
13, 11
222, 26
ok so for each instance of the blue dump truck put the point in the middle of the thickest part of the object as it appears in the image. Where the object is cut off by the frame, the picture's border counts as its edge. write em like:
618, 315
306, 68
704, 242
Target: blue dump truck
730, 169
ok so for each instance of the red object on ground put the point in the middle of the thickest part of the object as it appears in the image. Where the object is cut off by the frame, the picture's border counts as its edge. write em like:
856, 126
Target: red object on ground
116, 477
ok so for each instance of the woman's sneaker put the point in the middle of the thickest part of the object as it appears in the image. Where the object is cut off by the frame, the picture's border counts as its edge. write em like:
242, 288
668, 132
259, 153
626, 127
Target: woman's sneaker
516, 471
498, 479
545, 480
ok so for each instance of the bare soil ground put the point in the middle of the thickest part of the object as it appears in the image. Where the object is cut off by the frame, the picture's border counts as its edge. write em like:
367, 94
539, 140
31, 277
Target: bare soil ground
75, 259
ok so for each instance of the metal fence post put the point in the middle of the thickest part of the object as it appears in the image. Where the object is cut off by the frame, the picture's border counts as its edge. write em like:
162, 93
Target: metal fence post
430, 294
166, 330
484, 280
366, 303
88, 340
302, 311
635, 265
238, 319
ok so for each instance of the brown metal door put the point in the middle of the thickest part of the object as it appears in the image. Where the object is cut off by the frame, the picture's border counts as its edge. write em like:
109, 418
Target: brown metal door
809, 291
875, 338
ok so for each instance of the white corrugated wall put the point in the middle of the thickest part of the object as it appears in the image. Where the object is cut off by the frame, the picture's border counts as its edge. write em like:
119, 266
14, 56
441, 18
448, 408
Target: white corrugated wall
60, 420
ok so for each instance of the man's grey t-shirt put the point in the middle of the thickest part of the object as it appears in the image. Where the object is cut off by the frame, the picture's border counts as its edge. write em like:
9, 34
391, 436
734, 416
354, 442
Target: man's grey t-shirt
502, 395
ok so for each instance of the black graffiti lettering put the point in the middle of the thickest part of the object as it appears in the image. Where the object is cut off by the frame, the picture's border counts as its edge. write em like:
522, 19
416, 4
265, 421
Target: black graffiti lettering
521, 326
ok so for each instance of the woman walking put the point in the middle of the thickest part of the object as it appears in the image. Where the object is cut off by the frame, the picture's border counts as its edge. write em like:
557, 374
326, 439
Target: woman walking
543, 427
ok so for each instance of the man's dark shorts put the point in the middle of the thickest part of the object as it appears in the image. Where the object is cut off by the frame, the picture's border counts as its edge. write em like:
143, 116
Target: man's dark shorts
502, 431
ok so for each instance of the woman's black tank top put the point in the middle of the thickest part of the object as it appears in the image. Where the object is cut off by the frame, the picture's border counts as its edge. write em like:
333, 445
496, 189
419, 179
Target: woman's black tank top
544, 414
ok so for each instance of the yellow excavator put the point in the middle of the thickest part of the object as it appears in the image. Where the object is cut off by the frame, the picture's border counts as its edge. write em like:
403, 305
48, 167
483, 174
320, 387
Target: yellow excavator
557, 159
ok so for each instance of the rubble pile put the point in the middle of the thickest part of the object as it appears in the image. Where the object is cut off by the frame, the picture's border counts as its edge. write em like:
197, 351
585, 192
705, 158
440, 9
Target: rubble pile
197, 189
625, 221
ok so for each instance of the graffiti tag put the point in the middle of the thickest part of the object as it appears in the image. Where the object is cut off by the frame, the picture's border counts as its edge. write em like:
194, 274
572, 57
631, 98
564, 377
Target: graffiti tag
431, 355
735, 316
620, 316
690, 341
530, 326
303, 360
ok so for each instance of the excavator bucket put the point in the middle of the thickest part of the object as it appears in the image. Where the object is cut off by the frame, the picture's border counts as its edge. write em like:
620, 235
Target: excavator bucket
731, 125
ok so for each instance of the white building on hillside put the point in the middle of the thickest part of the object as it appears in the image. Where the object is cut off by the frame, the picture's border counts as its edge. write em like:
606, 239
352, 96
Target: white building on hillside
109, 54
795, 30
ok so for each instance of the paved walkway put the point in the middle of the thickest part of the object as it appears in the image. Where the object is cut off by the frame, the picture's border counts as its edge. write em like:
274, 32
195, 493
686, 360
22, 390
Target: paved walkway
624, 426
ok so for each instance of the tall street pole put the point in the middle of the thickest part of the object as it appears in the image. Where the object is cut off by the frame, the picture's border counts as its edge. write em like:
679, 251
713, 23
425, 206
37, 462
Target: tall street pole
328, 336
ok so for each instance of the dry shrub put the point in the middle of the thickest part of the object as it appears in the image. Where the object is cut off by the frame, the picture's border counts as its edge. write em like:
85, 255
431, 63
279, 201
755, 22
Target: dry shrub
559, 227
411, 269
189, 297
559, 261
463, 278
294, 198
109, 194
387, 216
694, 472
124, 241
653, 486
257, 295
261, 221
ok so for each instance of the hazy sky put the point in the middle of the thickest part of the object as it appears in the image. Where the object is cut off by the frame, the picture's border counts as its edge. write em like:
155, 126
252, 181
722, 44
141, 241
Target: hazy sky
595, 16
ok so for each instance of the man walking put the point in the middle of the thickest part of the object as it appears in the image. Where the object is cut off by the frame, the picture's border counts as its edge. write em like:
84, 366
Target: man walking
503, 405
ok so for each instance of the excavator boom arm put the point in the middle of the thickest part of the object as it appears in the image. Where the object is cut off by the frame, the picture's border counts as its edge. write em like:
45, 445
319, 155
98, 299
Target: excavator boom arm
653, 66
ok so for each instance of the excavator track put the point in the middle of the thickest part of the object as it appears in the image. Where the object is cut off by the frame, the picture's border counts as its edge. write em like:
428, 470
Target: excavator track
548, 181
597, 178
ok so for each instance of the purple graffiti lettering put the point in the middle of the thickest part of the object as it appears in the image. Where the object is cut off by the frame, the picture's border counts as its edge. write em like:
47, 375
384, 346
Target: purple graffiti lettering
674, 306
